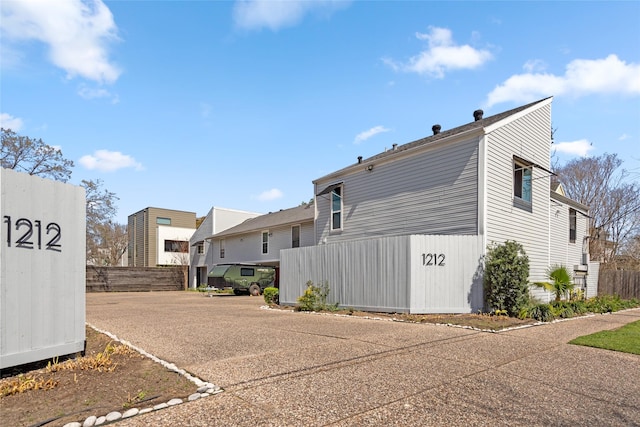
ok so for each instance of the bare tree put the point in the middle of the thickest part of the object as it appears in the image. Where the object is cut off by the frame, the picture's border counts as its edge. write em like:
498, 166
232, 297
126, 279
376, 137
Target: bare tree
109, 246
613, 201
34, 157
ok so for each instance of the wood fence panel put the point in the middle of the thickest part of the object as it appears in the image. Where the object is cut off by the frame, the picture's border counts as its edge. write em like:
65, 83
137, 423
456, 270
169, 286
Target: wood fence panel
136, 279
625, 284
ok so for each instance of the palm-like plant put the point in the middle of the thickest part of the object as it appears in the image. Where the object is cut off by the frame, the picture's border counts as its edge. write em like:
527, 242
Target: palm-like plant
561, 281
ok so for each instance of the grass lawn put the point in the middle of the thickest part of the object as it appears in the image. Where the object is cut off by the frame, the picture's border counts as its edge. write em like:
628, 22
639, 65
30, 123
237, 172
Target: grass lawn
625, 339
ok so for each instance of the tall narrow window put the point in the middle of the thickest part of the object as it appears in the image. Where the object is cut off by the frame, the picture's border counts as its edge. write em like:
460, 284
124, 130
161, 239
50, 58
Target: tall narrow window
522, 181
295, 236
221, 248
200, 248
572, 225
336, 208
265, 242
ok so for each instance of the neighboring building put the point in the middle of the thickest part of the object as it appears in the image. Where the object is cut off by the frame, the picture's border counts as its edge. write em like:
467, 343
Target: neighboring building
260, 239
217, 220
407, 229
159, 237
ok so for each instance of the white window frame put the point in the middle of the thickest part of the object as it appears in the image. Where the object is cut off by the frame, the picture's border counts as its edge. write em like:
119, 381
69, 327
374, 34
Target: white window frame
265, 242
292, 236
200, 248
339, 211
222, 248
519, 183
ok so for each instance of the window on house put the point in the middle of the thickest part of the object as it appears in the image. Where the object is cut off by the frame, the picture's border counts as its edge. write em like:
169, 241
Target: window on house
572, 225
176, 246
522, 181
221, 248
295, 236
265, 242
336, 208
200, 248
163, 221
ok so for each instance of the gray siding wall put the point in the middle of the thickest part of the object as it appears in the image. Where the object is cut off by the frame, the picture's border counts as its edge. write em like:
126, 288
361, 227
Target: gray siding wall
416, 273
446, 274
592, 279
430, 192
562, 251
217, 220
368, 274
527, 137
248, 247
200, 260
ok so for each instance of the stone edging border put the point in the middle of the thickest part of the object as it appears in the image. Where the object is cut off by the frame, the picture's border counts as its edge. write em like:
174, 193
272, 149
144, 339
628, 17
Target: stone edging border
451, 325
205, 389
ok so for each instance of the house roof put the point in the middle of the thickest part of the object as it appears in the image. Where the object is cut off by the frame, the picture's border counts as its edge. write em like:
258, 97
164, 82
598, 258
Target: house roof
564, 199
477, 124
300, 214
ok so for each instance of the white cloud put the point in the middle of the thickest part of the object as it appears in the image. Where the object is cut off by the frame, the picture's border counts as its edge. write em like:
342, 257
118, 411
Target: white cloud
7, 121
108, 161
532, 65
276, 14
363, 136
582, 77
580, 147
269, 195
93, 93
623, 137
442, 55
77, 32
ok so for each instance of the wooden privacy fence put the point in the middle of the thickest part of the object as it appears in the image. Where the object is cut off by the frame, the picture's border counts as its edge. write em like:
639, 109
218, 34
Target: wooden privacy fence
623, 283
136, 279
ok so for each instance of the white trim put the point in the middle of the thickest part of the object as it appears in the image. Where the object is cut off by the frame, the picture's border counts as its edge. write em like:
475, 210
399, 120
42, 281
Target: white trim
518, 115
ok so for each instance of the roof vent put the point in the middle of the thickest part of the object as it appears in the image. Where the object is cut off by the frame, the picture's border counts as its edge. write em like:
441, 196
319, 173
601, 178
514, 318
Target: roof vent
395, 147
478, 115
436, 129
359, 159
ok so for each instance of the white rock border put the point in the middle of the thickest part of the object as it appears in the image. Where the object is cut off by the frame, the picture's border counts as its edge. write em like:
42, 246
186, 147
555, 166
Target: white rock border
205, 389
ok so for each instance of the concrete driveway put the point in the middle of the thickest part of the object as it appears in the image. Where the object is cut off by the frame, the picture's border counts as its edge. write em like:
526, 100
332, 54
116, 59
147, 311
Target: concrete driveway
298, 369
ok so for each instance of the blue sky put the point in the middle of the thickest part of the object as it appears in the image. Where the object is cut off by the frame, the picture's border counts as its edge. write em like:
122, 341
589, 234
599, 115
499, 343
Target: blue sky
241, 104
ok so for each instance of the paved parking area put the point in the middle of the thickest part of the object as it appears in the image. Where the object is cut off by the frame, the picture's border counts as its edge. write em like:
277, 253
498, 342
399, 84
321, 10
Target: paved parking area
297, 369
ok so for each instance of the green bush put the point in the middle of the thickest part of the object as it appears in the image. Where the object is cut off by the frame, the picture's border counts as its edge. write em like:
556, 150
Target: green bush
541, 312
609, 304
315, 298
562, 309
271, 295
505, 278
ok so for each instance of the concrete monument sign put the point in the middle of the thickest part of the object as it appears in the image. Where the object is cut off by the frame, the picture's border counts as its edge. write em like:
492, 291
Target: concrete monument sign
42, 268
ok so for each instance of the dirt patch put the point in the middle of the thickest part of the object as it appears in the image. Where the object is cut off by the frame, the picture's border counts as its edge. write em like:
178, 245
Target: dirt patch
477, 321
110, 377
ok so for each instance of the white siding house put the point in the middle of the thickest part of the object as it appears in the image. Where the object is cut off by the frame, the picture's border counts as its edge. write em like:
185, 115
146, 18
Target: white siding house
217, 220
488, 180
259, 240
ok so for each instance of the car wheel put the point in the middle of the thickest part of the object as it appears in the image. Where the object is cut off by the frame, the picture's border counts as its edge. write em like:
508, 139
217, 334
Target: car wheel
237, 292
254, 289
